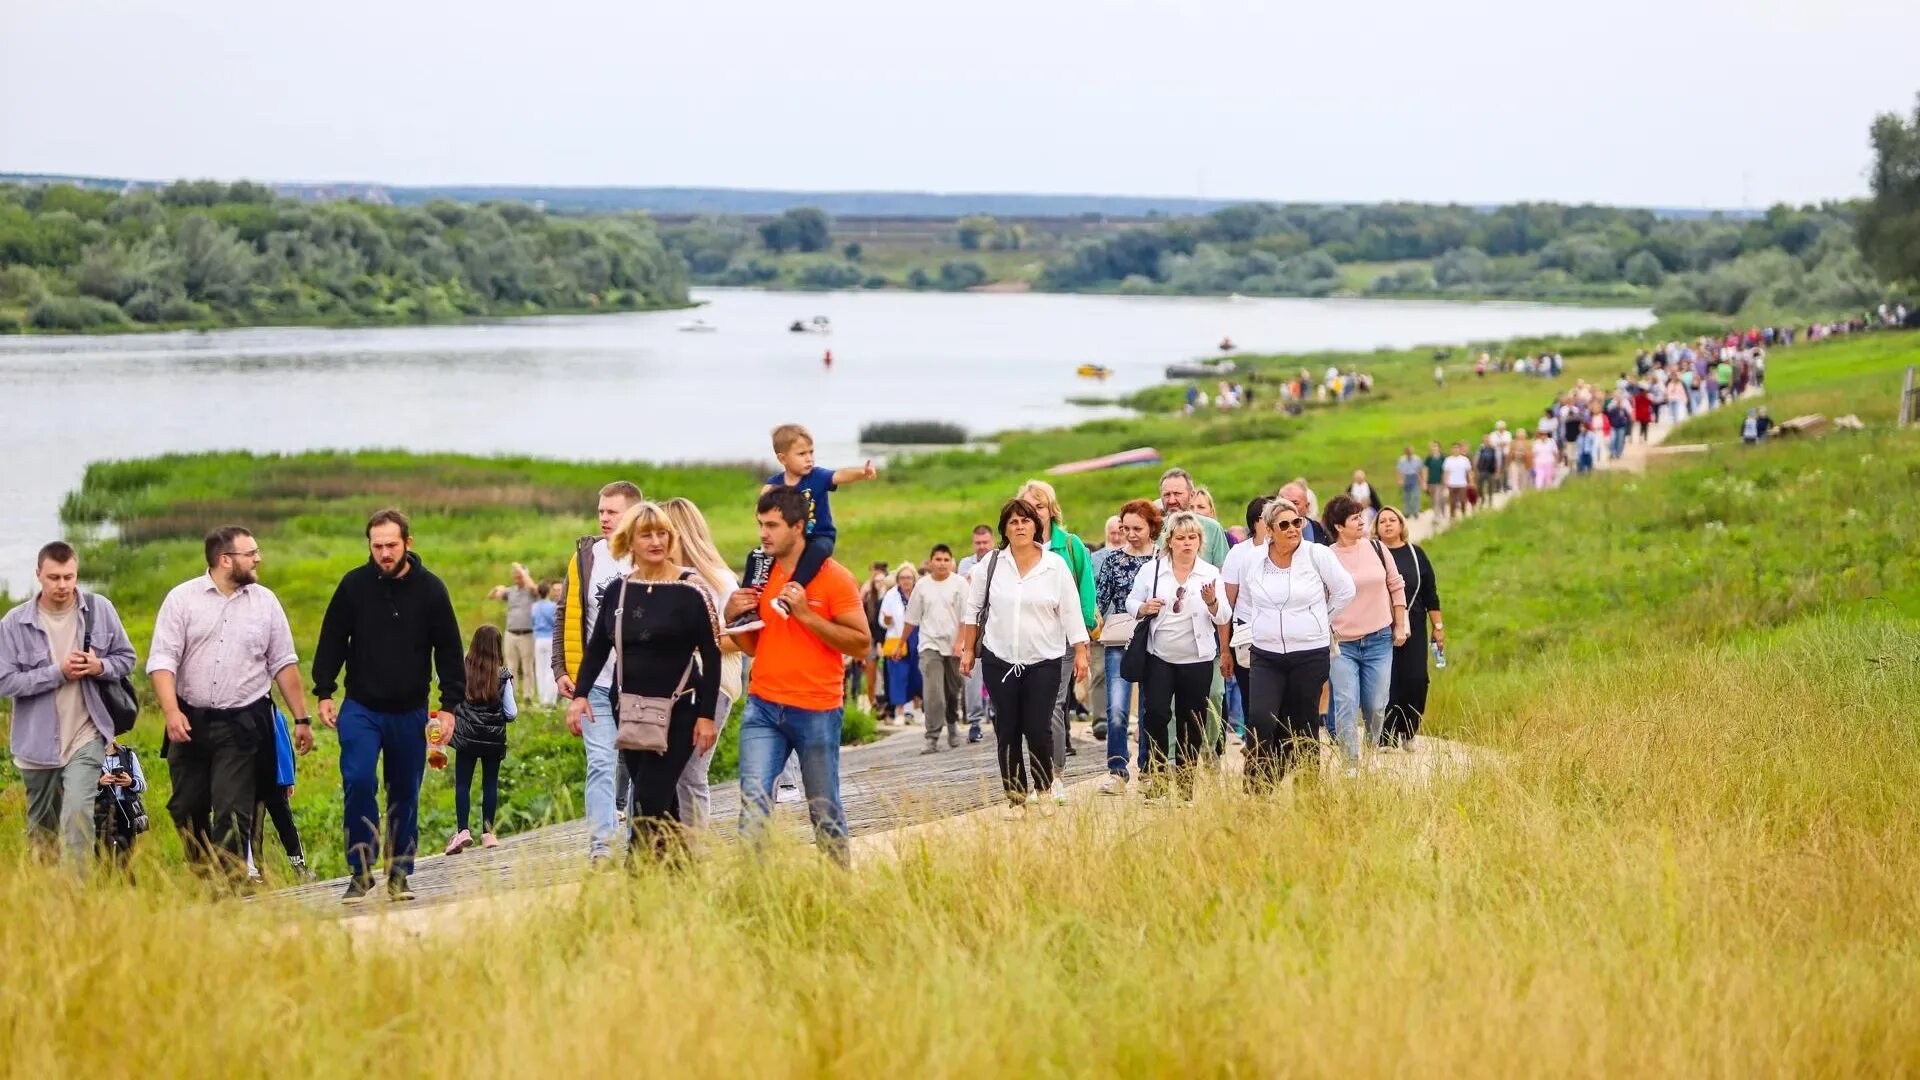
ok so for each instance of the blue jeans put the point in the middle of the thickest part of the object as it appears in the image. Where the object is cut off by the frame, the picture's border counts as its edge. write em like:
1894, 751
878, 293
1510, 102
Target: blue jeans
1119, 697
365, 736
1619, 441
1361, 676
602, 762
769, 733
1232, 710
1410, 495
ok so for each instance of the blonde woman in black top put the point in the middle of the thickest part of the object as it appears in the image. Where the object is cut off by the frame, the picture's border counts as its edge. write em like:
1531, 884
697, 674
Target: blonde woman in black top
667, 616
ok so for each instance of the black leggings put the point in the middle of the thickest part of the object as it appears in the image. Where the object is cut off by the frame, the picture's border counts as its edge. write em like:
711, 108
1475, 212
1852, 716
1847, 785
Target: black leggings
463, 761
1022, 707
653, 815
1175, 695
1407, 687
1283, 712
273, 802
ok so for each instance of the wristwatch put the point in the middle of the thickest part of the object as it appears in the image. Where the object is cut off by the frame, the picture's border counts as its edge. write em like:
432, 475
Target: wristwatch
303, 721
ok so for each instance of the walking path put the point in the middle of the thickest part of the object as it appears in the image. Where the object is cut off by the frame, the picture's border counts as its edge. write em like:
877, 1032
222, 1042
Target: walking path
893, 797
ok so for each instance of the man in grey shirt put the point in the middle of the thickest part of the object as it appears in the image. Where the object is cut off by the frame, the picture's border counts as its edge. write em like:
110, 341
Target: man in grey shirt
53, 650
976, 685
518, 640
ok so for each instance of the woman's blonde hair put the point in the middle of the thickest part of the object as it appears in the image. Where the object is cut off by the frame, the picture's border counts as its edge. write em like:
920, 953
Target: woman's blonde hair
693, 545
1183, 521
1405, 538
1048, 502
1272, 513
907, 568
641, 517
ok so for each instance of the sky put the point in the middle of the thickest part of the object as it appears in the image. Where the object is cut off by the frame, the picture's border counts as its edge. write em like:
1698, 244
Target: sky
1679, 103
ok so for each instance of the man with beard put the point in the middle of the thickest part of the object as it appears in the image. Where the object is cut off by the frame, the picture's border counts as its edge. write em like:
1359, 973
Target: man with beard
392, 624
220, 642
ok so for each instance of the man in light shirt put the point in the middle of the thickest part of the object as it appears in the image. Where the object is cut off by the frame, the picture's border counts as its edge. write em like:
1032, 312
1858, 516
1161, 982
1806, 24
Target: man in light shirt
934, 610
1457, 470
976, 686
220, 643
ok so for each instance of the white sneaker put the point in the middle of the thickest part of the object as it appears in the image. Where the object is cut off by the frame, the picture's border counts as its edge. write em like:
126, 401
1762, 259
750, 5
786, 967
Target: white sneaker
1114, 784
780, 608
1059, 793
787, 795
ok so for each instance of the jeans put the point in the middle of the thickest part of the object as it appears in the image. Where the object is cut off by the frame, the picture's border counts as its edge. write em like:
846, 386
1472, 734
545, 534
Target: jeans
365, 738
1361, 676
1619, 445
769, 733
602, 757
695, 797
1410, 496
1233, 709
1119, 707
60, 803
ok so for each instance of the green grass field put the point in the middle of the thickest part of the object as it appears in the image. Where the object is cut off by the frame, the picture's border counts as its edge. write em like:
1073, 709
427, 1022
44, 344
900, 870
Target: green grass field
1691, 855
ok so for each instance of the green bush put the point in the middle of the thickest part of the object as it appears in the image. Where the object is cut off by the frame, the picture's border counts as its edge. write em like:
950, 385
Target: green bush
917, 432
75, 313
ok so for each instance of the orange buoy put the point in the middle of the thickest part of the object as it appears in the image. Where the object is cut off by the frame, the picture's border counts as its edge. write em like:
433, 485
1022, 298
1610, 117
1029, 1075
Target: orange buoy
828, 359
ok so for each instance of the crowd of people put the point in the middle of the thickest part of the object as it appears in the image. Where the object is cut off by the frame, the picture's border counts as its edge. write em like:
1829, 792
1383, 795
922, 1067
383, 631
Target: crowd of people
1299, 624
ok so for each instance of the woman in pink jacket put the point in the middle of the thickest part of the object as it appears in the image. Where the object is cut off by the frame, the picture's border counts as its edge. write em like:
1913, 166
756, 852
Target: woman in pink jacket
1366, 630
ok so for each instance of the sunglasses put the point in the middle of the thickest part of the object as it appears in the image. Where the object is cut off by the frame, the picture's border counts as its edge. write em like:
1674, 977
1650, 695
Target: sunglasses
1289, 523
1179, 594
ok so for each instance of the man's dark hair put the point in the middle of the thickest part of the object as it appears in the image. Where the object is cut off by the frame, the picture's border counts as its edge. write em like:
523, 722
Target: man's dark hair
220, 542
1256, 508
389, 517
1339, 509
983, 529
880, 565
58, 552
1021, 508
940, 549
789, 502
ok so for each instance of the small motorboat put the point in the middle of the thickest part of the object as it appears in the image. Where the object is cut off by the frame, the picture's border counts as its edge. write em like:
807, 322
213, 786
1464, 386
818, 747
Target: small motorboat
819, 325
1226, 344
1200, 369
697, 326
1093, 371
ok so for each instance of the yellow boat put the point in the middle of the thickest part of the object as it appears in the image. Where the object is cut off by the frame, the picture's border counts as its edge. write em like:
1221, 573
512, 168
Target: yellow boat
1093, 371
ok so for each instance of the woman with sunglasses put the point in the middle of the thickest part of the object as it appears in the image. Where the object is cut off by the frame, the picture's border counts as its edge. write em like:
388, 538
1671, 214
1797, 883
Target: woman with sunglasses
1288, 596
1182, 594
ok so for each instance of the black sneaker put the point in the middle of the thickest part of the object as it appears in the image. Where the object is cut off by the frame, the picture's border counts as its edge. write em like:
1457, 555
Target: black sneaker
397, 888
974, 734
357, 890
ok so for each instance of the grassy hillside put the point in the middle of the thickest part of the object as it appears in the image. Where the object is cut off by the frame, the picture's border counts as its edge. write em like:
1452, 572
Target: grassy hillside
1692, 854
474, 516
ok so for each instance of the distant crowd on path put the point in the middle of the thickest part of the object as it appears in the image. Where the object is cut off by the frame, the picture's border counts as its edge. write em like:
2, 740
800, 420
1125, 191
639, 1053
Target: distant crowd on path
1170, 627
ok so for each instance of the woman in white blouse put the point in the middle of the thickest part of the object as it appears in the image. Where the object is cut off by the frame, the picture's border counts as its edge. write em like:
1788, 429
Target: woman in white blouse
1288, 595
1182, 594
1022, 614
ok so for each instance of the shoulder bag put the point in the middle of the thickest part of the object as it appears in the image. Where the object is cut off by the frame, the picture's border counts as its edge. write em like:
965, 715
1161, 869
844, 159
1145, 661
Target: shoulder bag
1133, 666
123, 706
643, 721
1117, 628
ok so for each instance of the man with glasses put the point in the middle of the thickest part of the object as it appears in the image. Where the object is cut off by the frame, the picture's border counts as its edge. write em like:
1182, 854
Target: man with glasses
220, 642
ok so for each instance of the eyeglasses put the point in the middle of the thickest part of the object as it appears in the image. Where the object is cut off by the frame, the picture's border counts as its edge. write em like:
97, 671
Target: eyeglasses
1289, 523
1179, 594
254, 554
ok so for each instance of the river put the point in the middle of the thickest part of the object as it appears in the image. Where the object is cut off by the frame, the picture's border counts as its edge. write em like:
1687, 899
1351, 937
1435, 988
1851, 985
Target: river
638, 387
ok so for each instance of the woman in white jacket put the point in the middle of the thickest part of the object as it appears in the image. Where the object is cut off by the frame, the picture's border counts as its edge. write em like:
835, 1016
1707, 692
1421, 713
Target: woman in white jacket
1182, 594
1288, 595
1022, 614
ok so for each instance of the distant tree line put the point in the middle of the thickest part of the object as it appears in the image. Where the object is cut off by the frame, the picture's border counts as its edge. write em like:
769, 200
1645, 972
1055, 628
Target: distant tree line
204, 252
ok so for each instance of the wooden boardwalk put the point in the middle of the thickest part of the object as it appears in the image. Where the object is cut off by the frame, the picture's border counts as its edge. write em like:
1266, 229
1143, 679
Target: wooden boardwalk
884, 785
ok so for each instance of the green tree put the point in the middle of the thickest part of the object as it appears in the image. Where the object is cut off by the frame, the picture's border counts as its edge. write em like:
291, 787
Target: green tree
805, 228
1889, 224
973, 231
1643, 268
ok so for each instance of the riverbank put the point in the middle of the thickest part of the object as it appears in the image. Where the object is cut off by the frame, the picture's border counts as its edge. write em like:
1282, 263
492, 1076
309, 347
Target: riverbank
1677, 844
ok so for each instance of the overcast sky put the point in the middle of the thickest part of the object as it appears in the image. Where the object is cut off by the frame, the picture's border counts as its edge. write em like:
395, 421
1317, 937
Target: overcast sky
1722, 103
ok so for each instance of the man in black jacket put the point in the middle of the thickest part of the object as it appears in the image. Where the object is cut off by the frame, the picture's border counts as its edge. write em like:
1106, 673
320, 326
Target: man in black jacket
392, 624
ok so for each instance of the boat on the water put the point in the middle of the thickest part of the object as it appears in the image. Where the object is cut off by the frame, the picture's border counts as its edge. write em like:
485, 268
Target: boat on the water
1093, 371
819, 325
697, 326
1145, 455
1199, 369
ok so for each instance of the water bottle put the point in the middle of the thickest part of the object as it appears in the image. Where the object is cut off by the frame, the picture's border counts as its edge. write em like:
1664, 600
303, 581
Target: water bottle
1439, 657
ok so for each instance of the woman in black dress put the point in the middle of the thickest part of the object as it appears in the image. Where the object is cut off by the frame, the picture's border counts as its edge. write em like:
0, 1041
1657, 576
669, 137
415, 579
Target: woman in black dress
1407, 687
668, 627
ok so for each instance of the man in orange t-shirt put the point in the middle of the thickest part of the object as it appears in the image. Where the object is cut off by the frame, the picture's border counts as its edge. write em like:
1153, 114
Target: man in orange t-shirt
794, 702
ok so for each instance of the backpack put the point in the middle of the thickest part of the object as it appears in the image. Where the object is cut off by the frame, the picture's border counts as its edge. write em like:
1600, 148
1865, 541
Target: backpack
1489, 459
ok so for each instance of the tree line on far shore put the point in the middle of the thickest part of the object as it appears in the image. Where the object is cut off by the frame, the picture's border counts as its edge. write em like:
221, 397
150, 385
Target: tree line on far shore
209, 253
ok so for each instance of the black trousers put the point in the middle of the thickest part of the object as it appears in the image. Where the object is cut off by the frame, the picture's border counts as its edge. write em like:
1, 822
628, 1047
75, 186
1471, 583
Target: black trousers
1174, 695
1283, 712
1407, 686
216, 776
1022, 708
653, 816
463, 763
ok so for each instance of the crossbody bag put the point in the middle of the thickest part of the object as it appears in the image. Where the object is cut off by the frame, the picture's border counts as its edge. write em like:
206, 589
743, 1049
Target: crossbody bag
122, 704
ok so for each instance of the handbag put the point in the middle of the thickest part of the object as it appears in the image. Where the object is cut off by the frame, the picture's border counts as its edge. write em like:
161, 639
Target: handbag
643, 720
1117, 628
123, 706
1133, 666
